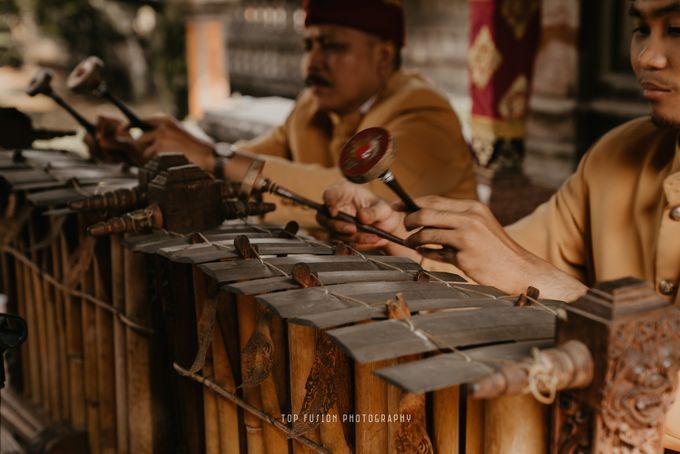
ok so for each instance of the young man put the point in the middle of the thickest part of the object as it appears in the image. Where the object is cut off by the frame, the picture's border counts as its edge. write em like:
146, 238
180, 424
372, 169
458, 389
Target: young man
617, 216
352, 71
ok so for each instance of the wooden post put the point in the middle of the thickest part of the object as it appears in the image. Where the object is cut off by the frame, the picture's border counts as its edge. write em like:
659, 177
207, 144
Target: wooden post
301, 341
22, 311
105, 357
446, 420
138, 378
210, 407
40, 326
254, 429
206, 52
118, 299
61, 335
90, 364
74, 348
225, 377
53, 342
632, 335
514, 424
370, 398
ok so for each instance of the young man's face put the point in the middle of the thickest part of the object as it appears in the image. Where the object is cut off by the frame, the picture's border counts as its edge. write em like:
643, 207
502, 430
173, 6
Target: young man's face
655, 56
344, 67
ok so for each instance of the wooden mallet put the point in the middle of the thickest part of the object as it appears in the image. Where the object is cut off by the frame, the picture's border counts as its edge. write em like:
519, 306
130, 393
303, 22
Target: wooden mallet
88, 77
367, 156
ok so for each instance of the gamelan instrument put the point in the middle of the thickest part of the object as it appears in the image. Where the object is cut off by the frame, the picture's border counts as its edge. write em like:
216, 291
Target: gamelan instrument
181, 323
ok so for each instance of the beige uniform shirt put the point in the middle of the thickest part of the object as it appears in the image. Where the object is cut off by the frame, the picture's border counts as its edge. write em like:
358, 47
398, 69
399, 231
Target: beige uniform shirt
617, 216
432, 156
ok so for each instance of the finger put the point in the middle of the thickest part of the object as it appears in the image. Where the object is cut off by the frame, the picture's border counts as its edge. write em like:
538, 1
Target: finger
338, 194
448, 204
147, 139
428, 236
106, 120
448, 255
160, 119
149, 152
368, 239
428, 217
380, 211
336, 225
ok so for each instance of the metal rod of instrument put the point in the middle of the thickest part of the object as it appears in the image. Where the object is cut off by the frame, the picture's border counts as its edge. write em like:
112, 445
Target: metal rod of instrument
321, 208
131, 116
394, 185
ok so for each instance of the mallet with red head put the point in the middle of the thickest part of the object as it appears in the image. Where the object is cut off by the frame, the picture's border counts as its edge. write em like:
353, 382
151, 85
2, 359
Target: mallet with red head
367, 156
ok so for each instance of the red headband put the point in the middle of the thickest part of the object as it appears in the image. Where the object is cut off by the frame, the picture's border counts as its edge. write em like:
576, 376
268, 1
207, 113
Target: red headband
383, 18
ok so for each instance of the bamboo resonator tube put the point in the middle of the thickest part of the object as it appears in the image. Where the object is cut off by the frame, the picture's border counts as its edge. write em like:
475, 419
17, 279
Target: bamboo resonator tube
88, 77
367, 156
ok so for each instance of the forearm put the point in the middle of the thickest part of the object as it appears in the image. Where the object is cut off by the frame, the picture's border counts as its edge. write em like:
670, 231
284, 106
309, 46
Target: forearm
551, 282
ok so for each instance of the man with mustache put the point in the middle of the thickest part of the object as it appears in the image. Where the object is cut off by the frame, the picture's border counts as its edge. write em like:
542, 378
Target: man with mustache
354, 81
617, 216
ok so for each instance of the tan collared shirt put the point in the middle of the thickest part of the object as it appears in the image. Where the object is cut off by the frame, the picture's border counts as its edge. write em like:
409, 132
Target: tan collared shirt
432, 156
618, 215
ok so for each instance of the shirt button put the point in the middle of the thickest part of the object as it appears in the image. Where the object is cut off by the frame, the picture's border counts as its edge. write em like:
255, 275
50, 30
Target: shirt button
675, 213
667, 287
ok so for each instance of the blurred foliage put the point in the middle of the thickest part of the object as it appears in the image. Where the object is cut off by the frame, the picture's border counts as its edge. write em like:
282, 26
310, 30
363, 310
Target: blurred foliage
9, 53
8, 7
86, 30
167, 52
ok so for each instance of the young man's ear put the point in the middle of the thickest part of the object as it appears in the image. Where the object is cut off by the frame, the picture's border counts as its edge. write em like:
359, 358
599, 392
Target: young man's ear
387, 53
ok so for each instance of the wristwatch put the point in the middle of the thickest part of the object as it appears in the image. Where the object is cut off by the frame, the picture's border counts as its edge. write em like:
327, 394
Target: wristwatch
223, 152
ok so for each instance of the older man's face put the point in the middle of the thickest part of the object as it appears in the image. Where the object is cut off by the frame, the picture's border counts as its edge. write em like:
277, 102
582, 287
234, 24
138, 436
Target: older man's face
344, 67
655, 56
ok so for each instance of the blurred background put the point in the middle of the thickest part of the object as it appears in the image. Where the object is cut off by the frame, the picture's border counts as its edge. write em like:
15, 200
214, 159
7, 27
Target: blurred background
234, 65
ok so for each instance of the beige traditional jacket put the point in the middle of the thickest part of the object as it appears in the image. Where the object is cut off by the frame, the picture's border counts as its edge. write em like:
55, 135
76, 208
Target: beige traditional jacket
432, 156
617, 216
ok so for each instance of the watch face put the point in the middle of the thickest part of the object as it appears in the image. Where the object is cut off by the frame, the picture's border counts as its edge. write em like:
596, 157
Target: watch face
364, 155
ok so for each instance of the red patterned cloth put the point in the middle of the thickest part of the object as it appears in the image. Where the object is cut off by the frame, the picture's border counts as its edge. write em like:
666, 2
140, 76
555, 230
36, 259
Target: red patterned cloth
504, 38
383, 18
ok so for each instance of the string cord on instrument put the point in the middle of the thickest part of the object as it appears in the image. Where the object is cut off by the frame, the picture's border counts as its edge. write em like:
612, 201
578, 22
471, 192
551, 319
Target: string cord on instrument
258, 257
538, 304
76, 293
424, 335
542, 379
249, 408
